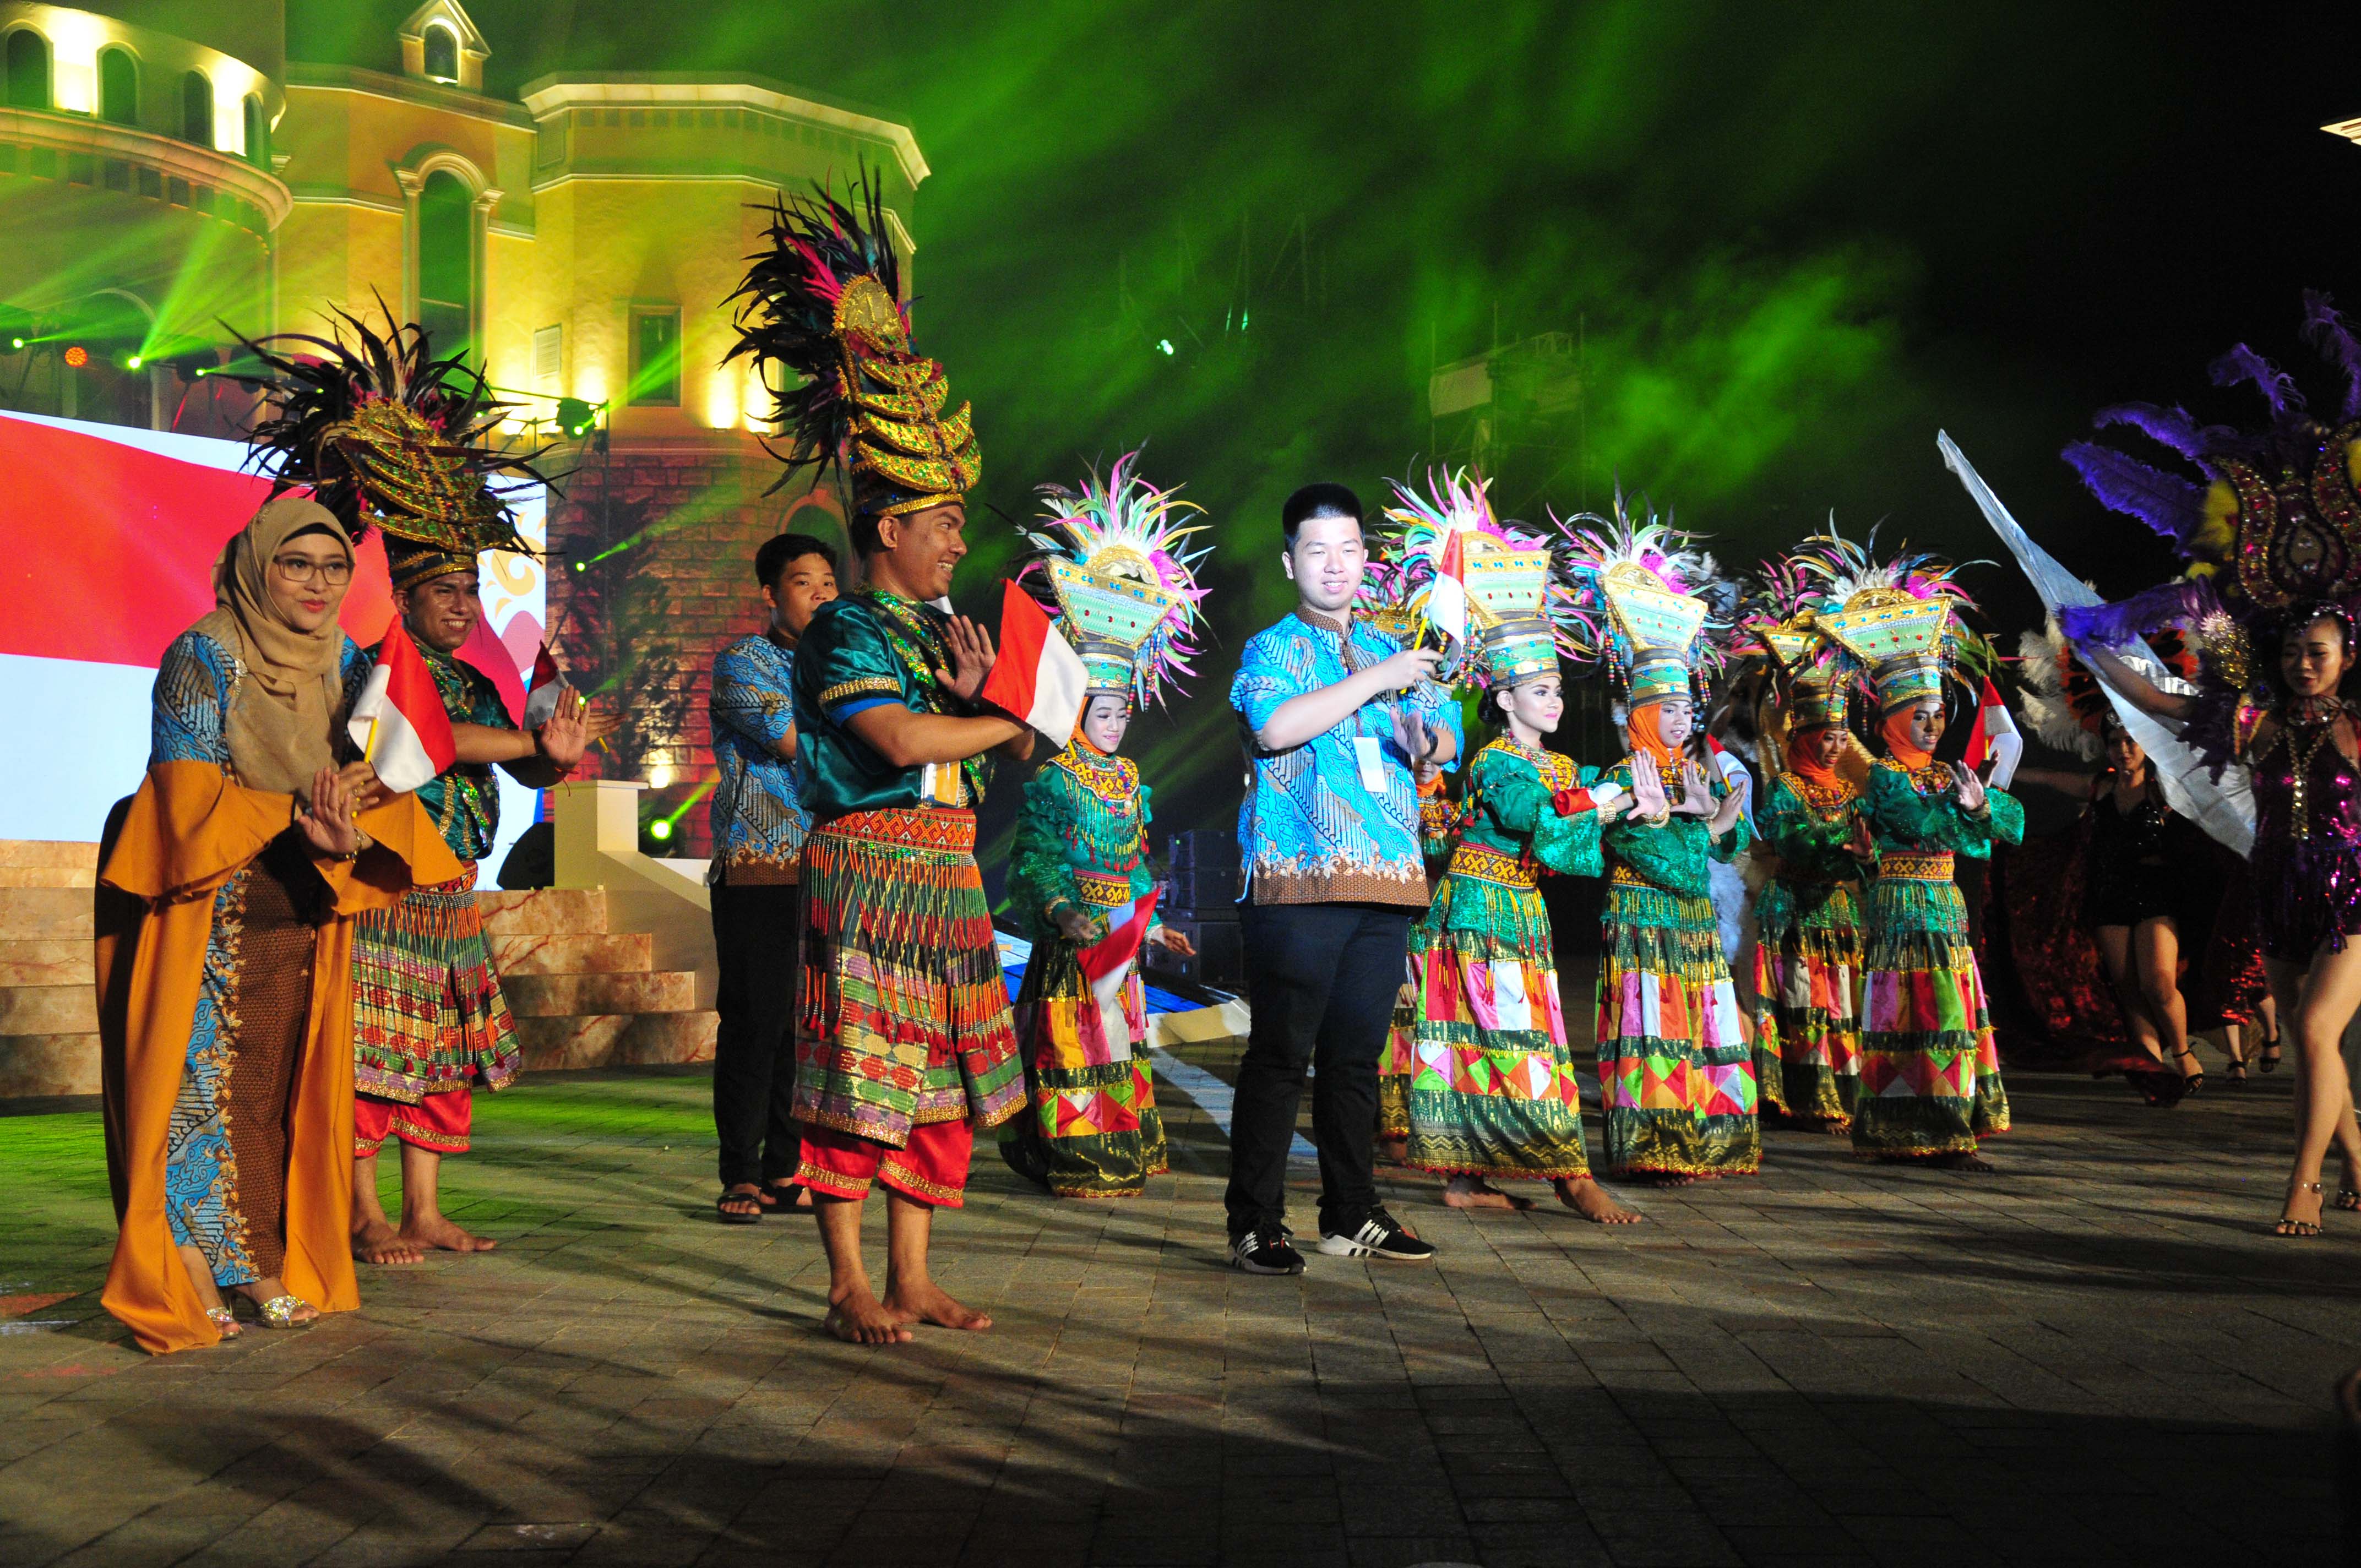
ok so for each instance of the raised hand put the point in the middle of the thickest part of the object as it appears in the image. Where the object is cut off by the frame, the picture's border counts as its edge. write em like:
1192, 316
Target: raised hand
325, 818
1972, 788
571, 729
361, 781
1647, 801
1405, 670
1860, 842
1696, 796
972, 656
1418, 742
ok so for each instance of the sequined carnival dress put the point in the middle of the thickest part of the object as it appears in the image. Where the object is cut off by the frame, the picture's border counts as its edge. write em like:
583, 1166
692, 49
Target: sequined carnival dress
2307, 857
1676, 1072
1930, 1072
1091, 1128
1491, 1086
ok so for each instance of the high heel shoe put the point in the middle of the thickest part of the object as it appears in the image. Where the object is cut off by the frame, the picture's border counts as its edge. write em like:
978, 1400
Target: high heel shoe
2290, 1226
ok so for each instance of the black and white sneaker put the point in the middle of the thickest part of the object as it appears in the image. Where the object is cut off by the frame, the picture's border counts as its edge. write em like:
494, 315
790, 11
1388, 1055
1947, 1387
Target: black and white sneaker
1265, 1251
1380, 1235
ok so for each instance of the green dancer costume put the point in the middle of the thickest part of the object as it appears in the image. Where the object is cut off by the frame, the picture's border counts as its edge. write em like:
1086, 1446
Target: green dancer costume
1123, 585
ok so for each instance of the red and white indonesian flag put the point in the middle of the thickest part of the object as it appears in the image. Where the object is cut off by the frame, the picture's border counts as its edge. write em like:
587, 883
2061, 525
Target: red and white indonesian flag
1106, 967
399, 723
1037, 677
541, 698
1446, 597
1995, 736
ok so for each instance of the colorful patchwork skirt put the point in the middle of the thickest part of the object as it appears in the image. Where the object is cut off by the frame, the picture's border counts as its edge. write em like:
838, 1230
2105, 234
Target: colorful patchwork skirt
1491, 1089
1929, 1074
1674, 1068
1396, 1067
1806, 1035
903, 1015
1093, 1131
428, 1015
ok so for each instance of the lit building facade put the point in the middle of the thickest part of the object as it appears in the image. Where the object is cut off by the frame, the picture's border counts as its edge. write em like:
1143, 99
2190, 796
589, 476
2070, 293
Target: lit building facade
164, 168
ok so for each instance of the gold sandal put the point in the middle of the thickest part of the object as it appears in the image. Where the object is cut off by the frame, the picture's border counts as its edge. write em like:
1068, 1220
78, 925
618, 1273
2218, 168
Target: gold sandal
278, 1312
224, 1321
2290, 1226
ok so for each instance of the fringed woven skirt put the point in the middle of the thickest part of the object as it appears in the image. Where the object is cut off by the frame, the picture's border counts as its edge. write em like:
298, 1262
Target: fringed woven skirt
1093, 1131
1675, 1068
428, 1015
1930, 1073
903, 1015
1491, 1089
1806, 1035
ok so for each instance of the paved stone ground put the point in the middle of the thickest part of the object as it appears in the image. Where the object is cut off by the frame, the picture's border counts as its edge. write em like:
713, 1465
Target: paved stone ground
2096, 1356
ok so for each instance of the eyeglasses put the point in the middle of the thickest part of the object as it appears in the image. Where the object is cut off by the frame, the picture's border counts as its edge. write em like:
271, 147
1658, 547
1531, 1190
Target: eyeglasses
302, 569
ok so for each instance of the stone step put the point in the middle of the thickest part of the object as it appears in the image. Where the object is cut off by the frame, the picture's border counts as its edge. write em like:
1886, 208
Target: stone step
570, 996
624, 952
42, 1065
66, 854
642, 1040
544, 912
49, 1009
46, 963
45, 915
48, 876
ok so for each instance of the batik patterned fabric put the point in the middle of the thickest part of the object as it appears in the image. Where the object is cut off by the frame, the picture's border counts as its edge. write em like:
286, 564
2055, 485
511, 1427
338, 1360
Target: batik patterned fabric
464, 799
428, 1015
1312, 830
1675, 1068
1092, 1130
235, 1225
1807, 955
759, 822
903, 1017
1930, 1072
1492, 1088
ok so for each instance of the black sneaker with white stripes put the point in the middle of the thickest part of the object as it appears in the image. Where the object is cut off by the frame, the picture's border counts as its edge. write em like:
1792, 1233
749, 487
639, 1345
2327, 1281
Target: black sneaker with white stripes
1380, 1235
1265, 1251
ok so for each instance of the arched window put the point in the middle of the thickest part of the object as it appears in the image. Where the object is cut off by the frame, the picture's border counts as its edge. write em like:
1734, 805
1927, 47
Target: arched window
197, 108
446, 262
258, 134
118, 87
28, 69
441, 54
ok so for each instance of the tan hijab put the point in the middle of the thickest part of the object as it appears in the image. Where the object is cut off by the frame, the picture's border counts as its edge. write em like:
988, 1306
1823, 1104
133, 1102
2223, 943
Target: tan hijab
282, 712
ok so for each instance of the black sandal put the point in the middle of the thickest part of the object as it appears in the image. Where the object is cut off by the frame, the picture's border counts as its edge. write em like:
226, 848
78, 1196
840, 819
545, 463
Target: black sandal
736, 1216
2270, 1062
2288, 1227
2190, 1082
2160, 1088
2234, 1075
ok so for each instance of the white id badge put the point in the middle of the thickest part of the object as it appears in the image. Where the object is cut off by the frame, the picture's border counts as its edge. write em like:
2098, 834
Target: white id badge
1372, 763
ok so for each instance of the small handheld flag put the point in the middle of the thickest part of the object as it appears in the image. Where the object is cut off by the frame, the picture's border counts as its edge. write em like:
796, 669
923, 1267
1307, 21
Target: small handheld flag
1037, 677
1995, 736
541, 698
1447, 604
1106, 965
399, 721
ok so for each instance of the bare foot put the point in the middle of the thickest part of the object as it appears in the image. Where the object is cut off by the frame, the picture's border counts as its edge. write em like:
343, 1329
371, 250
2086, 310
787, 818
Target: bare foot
1663, 1178
1475, 1192
435, 1231
928, 1302
375, 1241
1963, 1160
856, 1317
1590, 1201
1394, 1151
1836, 1126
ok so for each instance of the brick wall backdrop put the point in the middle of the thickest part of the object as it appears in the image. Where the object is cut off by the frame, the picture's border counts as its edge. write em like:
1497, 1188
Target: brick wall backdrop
690, 517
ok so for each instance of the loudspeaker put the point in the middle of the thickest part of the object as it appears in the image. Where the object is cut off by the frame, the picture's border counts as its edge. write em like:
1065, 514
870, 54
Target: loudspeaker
1219, 961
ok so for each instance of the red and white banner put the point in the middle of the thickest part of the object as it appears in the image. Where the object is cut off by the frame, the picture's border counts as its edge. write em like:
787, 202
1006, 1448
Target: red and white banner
1037, 677
1995, 736
1106, 965
1447, 598
400, 723
548, 683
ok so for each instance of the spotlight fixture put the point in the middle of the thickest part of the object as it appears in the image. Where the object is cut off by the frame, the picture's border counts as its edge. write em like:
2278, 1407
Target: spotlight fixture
577, 418
660, 830
77, 357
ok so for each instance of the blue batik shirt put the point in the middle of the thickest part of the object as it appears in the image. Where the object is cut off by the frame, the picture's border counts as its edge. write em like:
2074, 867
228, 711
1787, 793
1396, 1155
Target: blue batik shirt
1312, 830
759, 821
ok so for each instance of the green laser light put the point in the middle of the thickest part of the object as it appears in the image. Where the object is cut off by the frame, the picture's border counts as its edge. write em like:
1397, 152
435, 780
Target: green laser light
660, 829
15, 342
136, 362
1165, 343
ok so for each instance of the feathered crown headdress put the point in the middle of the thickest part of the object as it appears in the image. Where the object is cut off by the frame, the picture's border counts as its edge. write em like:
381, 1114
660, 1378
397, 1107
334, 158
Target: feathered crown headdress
1121, 576
822, 317
1459, 571
384, 434
2062, 702
1642, 583
1815, 674
1901, 620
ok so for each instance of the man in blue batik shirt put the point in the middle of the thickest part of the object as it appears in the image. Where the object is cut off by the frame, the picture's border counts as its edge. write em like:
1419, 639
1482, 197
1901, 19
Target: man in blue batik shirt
758, 839
1336, 716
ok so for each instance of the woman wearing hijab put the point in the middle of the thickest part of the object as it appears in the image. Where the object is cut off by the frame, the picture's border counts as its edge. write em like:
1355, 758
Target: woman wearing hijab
225, 997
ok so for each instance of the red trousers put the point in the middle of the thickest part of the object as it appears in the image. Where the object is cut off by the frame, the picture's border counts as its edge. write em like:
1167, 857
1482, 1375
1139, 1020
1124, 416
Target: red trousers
439, 1121
932, 1170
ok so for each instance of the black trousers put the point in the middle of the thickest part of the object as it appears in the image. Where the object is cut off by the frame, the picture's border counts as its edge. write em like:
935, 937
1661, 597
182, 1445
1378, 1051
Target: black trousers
1320, 981
754, 936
